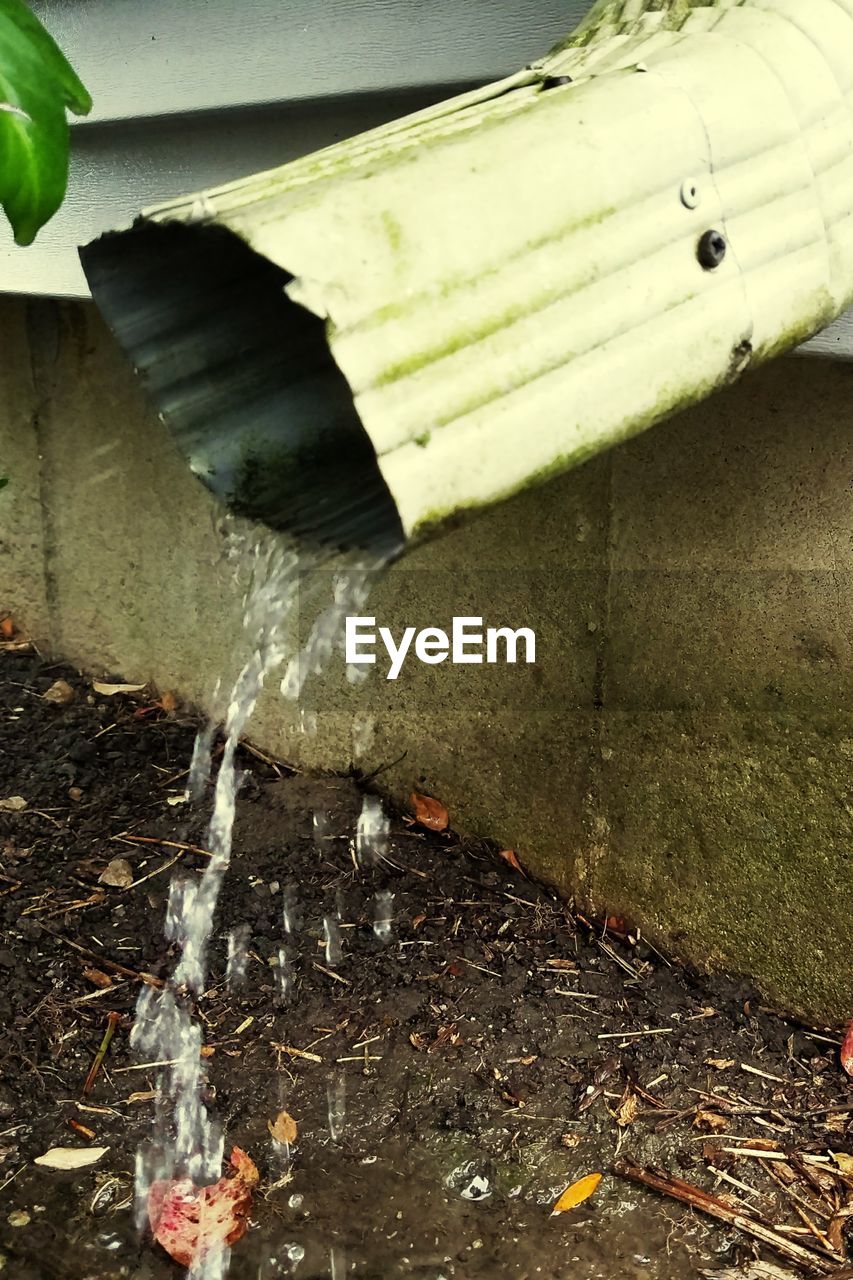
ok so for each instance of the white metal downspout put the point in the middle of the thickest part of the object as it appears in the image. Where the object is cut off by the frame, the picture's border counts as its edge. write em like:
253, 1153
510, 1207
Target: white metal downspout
521, 277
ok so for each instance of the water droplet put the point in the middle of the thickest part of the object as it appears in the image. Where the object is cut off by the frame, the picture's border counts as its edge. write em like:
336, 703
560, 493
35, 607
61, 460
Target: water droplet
332, 938
363, 732
383, 915
336, 1098
337, 1264
285, 975
371, 836
290, 915
321, 826
238, 955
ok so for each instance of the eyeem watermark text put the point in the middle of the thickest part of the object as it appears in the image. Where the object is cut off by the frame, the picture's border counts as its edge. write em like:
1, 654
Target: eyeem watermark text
467, 643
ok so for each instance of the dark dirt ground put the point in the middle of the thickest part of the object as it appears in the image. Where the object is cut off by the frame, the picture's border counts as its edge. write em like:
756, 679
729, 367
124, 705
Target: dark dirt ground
497, 1037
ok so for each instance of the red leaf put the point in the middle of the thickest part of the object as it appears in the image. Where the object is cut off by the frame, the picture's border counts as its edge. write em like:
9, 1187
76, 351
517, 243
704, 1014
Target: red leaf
430, 812
190, 1221
510, 856
847, 1051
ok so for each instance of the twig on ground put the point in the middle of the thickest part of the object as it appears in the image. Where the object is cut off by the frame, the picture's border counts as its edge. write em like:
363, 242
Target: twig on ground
113, 1019
148, 978
818, 1263
167, 844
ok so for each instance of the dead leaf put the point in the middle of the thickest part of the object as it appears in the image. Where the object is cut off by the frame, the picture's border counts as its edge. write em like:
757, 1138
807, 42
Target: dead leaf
108, 690
418, 1041
118, 874
284, 1128
570, 1140
720, 1064
576, 1194
843, 1161
710, 1120
70, 1157
60, 693
7, 628
417, 921
429, 812
510, 856
847, 1051
14, 804
177, 1209
629, 1109
98, 977
168, 702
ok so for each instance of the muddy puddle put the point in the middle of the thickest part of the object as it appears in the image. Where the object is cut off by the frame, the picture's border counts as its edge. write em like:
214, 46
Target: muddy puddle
455, 1053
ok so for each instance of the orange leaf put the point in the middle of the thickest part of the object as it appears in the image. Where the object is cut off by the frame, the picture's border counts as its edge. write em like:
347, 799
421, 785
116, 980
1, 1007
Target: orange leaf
847, 1051
430, 812
284, 1128
511, 857
576, 1194
7, 629
190, 1221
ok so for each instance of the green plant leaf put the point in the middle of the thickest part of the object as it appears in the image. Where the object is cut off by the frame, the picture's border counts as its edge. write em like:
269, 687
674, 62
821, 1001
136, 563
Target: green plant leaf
37, 84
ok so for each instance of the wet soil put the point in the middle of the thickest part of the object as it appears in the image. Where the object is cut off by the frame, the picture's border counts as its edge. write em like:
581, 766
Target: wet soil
495, 1050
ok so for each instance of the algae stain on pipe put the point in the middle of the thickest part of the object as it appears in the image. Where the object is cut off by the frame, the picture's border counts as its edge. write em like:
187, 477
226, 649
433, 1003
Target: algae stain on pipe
466, 644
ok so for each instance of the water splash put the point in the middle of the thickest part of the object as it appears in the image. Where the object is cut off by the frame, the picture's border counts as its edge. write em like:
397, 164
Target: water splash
371, 834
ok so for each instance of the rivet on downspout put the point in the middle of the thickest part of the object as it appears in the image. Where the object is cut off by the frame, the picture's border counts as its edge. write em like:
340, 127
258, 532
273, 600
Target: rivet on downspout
711, 250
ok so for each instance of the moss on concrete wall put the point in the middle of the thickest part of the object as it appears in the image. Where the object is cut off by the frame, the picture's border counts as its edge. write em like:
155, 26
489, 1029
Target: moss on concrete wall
682, 751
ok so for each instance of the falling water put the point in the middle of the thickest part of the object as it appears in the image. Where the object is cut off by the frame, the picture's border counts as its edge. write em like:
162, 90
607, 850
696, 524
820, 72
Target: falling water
187, 1142
336, 1101
238, 956
371, 835
383, 915
332, 940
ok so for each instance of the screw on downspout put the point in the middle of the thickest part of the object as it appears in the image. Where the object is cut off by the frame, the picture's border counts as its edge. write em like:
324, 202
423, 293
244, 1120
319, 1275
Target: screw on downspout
711, 250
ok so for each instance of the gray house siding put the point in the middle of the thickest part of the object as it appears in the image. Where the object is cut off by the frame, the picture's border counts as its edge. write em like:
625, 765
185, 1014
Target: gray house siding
191, 94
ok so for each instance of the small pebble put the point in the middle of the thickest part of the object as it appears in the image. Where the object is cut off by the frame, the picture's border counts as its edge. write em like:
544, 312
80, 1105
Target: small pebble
118, 874
18, 1218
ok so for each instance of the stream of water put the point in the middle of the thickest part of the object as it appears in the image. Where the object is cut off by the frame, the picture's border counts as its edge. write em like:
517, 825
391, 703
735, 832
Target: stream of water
187, 1141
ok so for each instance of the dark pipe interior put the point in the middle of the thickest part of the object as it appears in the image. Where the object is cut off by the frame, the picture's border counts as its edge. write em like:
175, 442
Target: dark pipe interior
245, 380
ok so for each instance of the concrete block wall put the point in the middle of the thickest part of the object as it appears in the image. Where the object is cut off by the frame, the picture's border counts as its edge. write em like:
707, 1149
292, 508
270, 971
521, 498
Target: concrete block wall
680, 754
